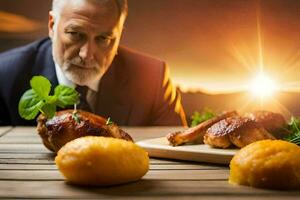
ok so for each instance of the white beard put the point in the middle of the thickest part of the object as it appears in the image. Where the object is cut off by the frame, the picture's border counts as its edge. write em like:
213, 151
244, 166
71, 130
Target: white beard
77, 71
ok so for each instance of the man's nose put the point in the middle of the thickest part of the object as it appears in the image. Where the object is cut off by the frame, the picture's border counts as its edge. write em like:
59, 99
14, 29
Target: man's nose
87, 51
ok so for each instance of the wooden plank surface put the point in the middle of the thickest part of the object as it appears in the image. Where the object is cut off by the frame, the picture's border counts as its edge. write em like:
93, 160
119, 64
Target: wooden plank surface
27, 170
137, 133
142, 189
4, 130
53, 175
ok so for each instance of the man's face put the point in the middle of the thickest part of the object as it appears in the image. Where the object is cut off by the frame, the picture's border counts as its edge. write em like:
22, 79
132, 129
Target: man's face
86, 39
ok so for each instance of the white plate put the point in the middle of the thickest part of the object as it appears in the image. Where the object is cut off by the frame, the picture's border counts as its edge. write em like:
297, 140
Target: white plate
159, 147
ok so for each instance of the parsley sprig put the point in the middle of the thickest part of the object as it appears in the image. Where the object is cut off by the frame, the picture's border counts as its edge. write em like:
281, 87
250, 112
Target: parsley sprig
294, 128
38, 98
199, 117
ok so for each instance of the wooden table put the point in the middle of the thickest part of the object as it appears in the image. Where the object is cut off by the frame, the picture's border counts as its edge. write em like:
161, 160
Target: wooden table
27, 170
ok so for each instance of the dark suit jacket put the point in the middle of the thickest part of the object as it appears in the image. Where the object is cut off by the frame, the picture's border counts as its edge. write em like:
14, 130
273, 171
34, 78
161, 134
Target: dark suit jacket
135, 91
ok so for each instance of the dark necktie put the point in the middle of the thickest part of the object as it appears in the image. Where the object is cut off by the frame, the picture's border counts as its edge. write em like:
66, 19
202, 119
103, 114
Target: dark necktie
83, 105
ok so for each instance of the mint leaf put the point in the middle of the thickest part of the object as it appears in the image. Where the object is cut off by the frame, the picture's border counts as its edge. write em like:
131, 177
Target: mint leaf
51, 99
49, 110
38, 99
30, 105
66, 96
41, 86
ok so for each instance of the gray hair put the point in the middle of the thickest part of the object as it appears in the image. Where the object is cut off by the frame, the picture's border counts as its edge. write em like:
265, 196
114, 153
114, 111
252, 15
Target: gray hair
57, 6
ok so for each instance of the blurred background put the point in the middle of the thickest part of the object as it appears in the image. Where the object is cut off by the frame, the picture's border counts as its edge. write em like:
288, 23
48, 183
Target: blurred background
215, 49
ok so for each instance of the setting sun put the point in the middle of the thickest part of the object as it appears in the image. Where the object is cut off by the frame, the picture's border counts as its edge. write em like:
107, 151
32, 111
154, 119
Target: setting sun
263, 86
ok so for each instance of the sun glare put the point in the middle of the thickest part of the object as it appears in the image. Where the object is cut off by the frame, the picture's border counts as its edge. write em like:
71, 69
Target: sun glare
263, 86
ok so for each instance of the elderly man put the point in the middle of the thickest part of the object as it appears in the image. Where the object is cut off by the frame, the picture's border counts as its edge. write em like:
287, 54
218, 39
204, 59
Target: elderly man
83, 52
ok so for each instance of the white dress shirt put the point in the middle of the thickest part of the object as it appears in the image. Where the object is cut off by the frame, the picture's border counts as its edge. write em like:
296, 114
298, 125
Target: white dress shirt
92, 85
63, 80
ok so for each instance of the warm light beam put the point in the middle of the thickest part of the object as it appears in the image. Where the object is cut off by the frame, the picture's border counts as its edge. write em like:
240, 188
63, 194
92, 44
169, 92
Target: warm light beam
262, 86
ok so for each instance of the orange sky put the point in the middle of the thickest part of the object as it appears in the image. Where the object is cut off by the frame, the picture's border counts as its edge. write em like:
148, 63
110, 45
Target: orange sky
214, 44
211, 45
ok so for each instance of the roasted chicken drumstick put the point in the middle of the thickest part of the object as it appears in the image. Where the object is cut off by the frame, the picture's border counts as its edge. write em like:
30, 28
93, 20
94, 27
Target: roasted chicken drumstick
64, 127
230, 129
195, 134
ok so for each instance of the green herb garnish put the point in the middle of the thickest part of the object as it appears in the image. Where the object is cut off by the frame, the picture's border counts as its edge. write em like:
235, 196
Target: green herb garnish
294, 128
76, 117
198, 118
109, 122
38, 98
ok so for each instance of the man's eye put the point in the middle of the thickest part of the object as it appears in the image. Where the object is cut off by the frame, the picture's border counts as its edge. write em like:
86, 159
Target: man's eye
104, 40
75, 35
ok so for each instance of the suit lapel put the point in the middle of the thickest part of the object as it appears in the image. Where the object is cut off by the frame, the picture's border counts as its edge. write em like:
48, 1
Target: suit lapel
41, 64
113, 95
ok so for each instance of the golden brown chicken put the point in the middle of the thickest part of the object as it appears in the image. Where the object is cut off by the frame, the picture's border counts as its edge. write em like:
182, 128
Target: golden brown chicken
237, 131
217, 135
230, 129
195, 134
65, 126
272, 122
